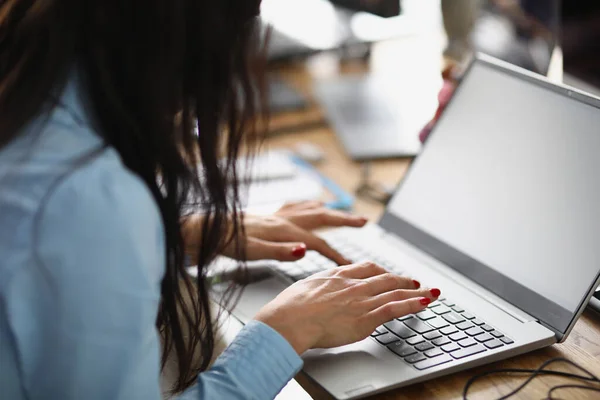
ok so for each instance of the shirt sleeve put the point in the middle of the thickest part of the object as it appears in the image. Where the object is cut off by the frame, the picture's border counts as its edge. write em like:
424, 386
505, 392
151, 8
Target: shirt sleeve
83, 312
257, 365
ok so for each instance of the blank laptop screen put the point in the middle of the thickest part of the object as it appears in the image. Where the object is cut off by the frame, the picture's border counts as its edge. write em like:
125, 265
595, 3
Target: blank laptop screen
507, 191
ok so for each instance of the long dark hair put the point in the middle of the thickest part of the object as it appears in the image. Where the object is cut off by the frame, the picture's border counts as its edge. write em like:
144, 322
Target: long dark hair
172, 84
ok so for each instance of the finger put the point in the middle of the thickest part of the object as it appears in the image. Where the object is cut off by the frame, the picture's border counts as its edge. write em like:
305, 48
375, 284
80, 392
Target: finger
302, 205
388, 282
289, 232
316, 243
258, 249
397, 309
322, 218
399, 295
361, 271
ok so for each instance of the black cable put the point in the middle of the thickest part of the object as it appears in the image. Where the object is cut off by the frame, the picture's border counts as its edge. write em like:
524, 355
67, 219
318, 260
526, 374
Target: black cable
581, 387
534, 373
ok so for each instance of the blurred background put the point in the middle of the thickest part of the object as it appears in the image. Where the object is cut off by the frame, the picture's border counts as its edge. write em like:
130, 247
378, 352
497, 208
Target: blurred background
544, 36
355, 86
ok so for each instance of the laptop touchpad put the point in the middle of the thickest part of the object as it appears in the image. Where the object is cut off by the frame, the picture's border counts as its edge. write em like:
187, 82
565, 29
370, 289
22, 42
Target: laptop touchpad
258, 294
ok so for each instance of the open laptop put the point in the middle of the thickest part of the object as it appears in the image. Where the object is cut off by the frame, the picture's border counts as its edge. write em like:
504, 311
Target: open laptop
500, 211
364, 113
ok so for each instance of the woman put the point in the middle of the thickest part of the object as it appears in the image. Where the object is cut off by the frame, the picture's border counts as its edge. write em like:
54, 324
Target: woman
100, 101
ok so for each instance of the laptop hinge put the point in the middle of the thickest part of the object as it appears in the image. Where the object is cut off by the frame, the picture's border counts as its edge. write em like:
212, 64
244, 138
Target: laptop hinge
459, 278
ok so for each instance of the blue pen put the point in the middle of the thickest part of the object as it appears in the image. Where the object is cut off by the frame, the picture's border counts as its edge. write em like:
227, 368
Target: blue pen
343, 200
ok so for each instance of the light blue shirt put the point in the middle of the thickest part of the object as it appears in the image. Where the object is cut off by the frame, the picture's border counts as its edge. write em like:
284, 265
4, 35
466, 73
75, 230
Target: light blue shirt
81, 260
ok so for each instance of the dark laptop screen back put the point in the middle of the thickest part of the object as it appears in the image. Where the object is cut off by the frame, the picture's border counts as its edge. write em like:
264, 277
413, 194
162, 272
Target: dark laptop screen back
507, 191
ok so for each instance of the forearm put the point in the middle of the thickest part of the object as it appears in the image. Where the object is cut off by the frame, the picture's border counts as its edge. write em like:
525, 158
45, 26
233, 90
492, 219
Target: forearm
257, 365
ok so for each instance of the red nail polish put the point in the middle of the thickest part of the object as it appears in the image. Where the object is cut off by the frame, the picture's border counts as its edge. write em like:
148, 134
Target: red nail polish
435, 292
299, 251
417, 284
424, 301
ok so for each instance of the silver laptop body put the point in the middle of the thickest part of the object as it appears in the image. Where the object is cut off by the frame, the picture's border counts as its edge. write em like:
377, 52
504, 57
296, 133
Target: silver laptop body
500, 211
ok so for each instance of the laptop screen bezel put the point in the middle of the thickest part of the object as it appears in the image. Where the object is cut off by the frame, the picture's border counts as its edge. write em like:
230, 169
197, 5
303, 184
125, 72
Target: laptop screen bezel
550, 314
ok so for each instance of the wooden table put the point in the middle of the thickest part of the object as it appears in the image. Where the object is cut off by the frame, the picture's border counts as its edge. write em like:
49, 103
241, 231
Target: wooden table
582, 346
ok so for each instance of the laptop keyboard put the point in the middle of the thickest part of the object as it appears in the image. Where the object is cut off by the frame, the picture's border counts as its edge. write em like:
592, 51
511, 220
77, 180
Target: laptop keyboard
314, 262
440, 334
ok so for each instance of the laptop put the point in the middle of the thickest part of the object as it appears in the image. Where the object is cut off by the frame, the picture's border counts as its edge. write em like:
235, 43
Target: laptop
363, 111
500, 211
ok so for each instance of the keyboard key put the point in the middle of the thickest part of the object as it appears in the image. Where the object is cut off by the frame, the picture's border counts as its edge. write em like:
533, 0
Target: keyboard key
493, 344
442, 309
432, 362
434, 304
390, 266
449, 330
484, 338
487, 328
449, 348
418, 325
464, 325
415, 340
438, 323
298, 276
458, 309
468, 342
441, 341
449, 303
409, 316
458, 336
478, 322
399, 329
379, 330
386, 338
453, 318
507, 340
424, 346
432, 335
468, 351
434, 352
467, 315
402, 349
425, 315
496, 334
415, 358
474, 331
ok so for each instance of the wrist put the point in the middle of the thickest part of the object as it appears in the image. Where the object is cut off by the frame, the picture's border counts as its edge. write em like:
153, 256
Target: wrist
295, 337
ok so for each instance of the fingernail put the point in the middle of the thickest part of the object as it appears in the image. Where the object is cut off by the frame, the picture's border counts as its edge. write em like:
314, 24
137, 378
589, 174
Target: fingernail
424, 301
417, 284
299, 251
435, 292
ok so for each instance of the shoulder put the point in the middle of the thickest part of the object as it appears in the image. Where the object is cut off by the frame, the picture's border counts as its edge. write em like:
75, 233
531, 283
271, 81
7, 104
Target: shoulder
100, 211
101, 189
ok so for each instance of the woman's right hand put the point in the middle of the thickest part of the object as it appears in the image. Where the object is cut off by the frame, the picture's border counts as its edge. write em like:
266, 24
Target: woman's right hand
343, 305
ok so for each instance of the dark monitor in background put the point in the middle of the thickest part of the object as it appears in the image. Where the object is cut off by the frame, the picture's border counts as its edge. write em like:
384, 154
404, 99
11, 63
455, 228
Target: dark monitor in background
580, 44
304, 27
300, 28
383, 8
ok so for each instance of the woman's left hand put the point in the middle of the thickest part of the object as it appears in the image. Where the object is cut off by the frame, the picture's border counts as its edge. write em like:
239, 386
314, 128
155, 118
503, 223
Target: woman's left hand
287, 234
